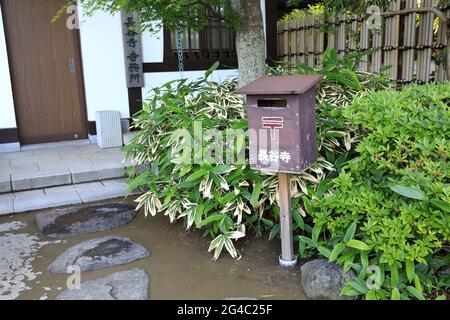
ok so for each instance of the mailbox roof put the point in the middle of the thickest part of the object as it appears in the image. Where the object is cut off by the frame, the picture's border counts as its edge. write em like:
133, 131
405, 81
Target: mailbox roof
281, 85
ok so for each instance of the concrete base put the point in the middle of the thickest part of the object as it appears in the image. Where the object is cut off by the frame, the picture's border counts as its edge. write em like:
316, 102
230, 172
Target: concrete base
55, 145
92, 139
291, 264
9, 147
125, 123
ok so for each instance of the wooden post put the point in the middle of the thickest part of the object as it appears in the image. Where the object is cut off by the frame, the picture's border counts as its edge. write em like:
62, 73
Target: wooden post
287, 258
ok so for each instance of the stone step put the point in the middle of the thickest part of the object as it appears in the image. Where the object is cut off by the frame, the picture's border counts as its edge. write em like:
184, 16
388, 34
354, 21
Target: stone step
65, 173
46, 166
52, 197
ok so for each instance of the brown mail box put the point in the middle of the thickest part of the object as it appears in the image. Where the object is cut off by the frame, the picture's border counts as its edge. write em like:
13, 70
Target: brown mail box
282, 122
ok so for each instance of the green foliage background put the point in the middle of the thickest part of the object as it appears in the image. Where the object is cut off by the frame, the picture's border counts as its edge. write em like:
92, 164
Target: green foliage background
389, 206
378, 195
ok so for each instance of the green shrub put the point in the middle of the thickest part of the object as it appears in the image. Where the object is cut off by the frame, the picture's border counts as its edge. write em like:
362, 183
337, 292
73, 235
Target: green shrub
386, 214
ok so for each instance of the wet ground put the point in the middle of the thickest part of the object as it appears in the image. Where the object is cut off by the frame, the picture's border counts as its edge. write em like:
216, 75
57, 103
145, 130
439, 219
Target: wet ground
179, 266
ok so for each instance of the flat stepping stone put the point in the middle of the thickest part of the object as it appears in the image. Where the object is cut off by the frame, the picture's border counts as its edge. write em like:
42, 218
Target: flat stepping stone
99, 254
62, 223
125, 285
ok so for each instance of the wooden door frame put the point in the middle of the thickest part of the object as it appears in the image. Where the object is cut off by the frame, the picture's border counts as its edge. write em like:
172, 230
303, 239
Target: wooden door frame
82, 87
81, 90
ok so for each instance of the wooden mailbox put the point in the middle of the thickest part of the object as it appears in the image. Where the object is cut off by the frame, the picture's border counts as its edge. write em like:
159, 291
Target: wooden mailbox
282, 132
281, 121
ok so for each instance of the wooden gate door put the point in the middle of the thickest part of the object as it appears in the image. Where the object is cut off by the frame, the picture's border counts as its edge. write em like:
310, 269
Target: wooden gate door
46, 73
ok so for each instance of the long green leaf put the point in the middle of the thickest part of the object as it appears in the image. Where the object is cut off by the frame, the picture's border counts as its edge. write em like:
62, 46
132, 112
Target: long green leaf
196, 175
371, 295
416, 293
212, 69
316, 232
395, 295
308, 241
307, 204
359, 286
274, 232
441, 204
255, 195
410, 270
298, 219
357, 245
324, 251
394, 274
336, 251
211, 219
350, 232
409, 192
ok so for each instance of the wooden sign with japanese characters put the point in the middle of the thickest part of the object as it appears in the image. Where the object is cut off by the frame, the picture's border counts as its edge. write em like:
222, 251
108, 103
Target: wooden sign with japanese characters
132, 50
281, 120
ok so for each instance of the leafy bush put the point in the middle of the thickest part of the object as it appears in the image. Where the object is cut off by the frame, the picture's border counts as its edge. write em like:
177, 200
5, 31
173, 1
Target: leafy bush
213, 196
228, 200
386, 214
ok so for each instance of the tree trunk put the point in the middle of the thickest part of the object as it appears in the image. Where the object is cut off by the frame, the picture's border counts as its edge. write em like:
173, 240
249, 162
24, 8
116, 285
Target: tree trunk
250, 41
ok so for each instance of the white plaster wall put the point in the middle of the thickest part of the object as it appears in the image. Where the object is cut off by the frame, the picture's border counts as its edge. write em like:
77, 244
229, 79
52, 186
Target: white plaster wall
156, 79
153, 46
7, 115
104, 68
103, 64
153, 51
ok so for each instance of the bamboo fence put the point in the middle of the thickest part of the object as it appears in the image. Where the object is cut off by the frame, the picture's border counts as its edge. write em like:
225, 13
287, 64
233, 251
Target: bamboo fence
411, 39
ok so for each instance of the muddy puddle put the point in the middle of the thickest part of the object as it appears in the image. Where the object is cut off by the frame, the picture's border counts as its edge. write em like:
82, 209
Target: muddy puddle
179, 266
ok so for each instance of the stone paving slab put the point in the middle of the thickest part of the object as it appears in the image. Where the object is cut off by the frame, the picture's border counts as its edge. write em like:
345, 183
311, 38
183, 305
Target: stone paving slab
16, 155
108, 189
64, 164
40, 179
68, 222
23, 168
31, 201
50, 157
5, 183
124, 285
99, 254
4, 164
6, 204
97, 172
96, 191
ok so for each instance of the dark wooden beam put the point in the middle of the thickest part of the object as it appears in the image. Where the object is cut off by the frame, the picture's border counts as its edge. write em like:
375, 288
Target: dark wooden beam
271, 31
9, 135
188, 66
135, 100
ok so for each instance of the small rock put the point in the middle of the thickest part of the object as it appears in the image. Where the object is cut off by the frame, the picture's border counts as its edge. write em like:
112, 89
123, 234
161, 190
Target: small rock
99, 254
125, 285
322, 280
61, 223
